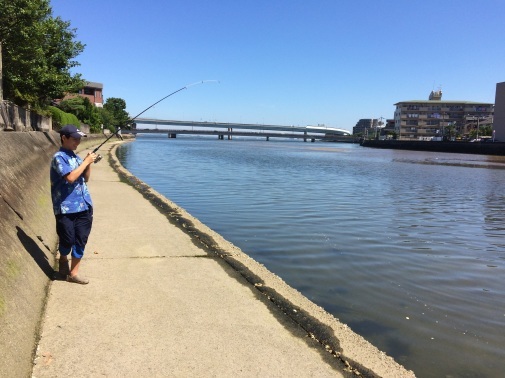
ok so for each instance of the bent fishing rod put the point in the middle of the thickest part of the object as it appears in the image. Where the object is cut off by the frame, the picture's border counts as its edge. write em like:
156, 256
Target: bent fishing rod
99, 157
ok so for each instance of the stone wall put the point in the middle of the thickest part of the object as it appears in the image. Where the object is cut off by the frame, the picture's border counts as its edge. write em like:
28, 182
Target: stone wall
27, 242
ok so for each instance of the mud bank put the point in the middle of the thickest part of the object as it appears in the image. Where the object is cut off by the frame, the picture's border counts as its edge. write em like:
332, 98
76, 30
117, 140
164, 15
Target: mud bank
480, 148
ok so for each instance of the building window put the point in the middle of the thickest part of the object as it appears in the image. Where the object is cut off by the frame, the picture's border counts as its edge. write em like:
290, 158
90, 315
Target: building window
89, 91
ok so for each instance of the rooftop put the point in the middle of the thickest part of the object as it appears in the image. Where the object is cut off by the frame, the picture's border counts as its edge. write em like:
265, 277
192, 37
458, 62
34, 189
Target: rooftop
438, 102
92, 84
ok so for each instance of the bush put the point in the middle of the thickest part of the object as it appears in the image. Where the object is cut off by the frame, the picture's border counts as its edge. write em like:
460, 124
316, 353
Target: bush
61, 118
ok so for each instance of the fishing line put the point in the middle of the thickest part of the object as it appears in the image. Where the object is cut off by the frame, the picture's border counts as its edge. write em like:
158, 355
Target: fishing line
178, 90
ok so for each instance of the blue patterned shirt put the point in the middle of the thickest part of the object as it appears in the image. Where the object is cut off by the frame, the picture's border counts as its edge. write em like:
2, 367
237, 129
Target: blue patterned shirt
68, 198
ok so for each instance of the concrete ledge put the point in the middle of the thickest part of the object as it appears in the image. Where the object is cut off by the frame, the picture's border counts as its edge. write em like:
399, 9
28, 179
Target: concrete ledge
487, 148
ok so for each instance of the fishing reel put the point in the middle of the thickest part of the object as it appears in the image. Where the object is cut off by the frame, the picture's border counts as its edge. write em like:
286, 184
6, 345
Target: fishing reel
98, 158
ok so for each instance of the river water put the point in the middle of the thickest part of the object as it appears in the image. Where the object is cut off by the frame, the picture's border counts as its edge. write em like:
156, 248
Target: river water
407, 248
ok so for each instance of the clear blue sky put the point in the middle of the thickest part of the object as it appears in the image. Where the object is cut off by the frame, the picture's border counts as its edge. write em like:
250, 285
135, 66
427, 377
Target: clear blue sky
288, 62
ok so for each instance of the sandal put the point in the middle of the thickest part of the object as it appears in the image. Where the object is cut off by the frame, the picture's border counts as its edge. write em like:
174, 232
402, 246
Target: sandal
77, 279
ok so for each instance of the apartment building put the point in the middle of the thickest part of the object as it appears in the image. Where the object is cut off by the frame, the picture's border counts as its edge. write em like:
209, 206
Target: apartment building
365, 127
434, 118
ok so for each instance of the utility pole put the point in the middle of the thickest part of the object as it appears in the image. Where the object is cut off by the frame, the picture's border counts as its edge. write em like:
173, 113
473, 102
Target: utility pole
443, 126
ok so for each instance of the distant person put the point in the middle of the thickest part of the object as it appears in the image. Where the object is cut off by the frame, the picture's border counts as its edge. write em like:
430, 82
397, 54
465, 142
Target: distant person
71, 202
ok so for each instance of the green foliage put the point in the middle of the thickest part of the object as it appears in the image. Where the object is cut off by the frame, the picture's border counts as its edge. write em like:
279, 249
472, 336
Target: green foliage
116, 107
486, 131
107, 119
37, 52
112, 115
74, 105
61, 118
483, 131
83, 109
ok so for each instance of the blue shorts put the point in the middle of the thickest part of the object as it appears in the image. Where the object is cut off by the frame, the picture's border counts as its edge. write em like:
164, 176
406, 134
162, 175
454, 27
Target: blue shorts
73, 230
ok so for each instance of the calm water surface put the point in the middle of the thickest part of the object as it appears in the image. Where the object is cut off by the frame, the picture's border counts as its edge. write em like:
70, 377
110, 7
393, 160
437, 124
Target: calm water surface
407, 248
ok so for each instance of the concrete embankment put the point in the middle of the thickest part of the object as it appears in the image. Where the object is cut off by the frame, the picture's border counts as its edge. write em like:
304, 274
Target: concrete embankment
167, 297
481, 148
27, 242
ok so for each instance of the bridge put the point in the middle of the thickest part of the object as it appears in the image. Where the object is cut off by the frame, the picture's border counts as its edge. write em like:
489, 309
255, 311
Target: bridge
261, 130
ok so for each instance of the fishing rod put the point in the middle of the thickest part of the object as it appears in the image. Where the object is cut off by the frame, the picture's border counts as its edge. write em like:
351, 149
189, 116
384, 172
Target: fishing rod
99, 157
171, 94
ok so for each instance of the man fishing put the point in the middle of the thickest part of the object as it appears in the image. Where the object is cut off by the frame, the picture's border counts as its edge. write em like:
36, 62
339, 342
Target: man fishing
72, 203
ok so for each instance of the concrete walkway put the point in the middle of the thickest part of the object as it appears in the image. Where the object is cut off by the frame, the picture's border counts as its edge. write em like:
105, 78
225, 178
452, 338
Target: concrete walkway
162, 304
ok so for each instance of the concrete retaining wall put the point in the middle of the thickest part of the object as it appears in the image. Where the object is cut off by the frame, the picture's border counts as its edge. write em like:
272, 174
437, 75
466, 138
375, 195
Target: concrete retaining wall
480, 148
27, 242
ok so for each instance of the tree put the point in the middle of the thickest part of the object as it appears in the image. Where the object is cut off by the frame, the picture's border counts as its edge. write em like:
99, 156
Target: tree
37, 52
486, 130
116, 107
74, 105
106, 117
84, 110
449, 130
112, 115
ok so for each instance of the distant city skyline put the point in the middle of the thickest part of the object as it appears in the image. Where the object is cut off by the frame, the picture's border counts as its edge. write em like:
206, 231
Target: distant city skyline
285, 62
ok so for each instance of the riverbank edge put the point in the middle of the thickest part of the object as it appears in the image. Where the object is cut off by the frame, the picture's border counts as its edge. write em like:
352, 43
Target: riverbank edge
479, 148
355, 354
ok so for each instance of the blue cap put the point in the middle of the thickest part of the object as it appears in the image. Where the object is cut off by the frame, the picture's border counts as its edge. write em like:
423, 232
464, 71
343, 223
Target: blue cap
72, 131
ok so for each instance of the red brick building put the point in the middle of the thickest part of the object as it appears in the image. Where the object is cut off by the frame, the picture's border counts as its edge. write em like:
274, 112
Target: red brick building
93, 91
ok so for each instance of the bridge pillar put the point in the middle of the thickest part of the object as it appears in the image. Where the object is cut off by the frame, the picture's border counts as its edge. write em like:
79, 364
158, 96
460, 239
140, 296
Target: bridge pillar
230, 137
172, 135
268, 138
312, 140
304, 136
220, 137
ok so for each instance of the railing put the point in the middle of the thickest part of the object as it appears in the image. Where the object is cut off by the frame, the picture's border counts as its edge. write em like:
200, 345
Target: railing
16, 118
229, 133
